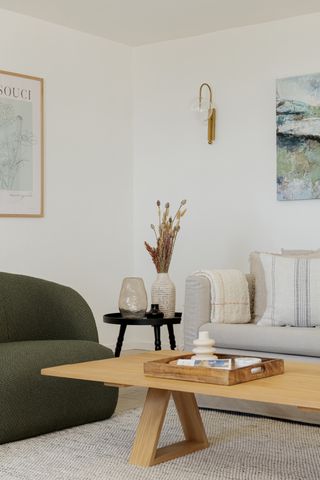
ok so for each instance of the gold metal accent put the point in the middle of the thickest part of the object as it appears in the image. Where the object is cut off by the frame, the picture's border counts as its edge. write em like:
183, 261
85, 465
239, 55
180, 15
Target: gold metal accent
211, 114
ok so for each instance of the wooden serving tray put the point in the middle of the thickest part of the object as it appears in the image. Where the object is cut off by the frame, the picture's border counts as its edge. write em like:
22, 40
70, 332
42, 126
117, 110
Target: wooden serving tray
167, 368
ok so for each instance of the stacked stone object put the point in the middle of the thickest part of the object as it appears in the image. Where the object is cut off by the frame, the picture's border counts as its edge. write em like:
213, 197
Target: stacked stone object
204, 347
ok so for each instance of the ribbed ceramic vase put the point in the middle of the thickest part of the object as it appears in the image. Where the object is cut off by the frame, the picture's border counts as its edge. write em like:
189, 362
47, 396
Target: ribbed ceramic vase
163, 292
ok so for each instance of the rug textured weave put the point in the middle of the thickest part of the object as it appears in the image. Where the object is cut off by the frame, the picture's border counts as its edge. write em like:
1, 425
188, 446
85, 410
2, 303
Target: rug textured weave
241, 448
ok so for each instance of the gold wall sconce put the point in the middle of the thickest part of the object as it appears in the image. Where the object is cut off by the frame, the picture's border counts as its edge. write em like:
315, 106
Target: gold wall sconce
207, 111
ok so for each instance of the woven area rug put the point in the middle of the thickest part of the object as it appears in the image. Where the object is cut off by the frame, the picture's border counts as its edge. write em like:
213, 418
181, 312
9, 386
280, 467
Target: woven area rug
241, 448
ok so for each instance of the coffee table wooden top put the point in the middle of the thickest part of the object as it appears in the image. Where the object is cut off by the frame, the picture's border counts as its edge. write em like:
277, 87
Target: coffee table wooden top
299, 386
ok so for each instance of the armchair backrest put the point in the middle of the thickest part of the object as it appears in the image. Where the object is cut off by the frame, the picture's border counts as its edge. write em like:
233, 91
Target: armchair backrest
35, 309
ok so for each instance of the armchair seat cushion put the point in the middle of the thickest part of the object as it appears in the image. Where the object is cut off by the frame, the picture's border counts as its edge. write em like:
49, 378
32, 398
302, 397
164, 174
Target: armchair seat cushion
31, 404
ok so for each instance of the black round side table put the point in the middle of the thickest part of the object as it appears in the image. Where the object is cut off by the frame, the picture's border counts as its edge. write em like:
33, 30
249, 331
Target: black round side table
156, 323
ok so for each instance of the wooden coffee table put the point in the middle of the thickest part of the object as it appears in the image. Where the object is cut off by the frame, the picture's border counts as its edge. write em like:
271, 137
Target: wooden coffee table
299, 386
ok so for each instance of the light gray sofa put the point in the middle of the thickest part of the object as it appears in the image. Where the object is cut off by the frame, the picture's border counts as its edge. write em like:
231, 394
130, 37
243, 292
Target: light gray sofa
290, 343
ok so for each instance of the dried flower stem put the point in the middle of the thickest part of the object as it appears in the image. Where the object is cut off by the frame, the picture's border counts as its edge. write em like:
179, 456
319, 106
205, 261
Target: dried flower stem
166, 237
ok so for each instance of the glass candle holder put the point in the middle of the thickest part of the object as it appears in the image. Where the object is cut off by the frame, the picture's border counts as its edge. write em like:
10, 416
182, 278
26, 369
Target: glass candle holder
133, 298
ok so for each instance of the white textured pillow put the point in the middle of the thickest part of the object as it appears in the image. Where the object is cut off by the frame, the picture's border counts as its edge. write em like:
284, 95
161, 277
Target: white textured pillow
292, 291
256, 269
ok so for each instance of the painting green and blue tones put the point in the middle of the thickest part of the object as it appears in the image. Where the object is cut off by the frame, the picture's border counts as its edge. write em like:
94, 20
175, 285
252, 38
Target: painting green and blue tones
298, 137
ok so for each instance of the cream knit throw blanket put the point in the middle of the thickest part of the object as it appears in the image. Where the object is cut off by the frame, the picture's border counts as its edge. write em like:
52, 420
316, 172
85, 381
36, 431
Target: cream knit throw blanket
229, 295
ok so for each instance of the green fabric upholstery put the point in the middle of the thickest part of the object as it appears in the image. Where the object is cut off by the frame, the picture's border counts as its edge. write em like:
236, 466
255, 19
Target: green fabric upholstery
31, 404
35, 309
43, 324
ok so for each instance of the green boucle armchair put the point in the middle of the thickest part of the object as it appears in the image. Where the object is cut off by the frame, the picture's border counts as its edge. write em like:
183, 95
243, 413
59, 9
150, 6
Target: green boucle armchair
43, 324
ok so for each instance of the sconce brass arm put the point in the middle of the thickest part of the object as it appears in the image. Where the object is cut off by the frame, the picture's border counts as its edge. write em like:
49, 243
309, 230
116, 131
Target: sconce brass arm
211, 114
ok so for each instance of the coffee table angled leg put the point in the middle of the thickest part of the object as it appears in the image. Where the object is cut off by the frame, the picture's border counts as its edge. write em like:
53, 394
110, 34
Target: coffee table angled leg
144, 452
190, 417
122, 331
147, 436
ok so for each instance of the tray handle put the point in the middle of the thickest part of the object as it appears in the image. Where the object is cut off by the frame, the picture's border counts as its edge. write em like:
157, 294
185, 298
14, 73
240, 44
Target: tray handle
257, 369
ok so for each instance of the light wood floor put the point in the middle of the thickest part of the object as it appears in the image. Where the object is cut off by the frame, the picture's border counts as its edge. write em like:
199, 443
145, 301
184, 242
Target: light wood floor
130, 397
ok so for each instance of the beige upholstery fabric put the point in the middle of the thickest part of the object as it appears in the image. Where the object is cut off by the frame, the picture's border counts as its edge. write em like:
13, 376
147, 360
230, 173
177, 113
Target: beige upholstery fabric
316, 253
256, 269
229, 294
250, 337
292, 286
260, 298
197, 308
301, 344
251, 286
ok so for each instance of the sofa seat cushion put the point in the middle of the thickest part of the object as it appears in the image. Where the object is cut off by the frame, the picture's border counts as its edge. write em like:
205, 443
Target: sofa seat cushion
286, 340
31, 404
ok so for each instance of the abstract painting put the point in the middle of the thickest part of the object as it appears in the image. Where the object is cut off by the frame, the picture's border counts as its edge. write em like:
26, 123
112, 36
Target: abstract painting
298, 137
21, 145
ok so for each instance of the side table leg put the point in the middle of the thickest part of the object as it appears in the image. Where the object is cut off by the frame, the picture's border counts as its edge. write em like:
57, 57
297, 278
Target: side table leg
122, 331
157, 337
171, 336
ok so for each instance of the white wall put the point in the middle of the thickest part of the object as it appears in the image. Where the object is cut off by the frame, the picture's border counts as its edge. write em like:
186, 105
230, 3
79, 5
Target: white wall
231, 185
85, 238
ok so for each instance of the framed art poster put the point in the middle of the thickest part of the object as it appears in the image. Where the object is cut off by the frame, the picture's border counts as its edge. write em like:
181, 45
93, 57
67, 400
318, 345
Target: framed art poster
21, 145
298, 137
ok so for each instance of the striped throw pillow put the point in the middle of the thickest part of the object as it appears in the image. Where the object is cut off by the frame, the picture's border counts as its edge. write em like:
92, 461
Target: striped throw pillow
293, 291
